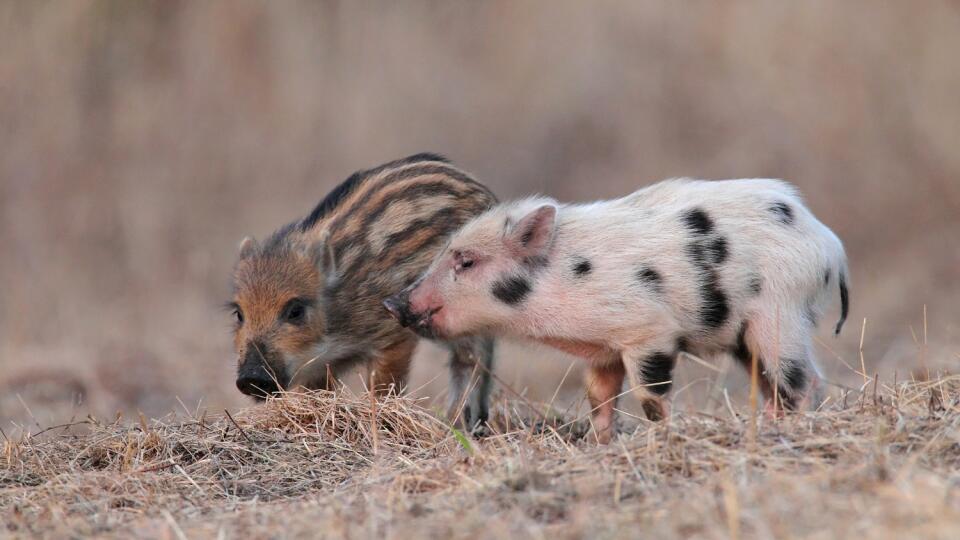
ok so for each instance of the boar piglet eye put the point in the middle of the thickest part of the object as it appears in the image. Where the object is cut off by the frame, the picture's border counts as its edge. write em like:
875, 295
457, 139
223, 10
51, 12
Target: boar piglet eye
295, 311
235, 311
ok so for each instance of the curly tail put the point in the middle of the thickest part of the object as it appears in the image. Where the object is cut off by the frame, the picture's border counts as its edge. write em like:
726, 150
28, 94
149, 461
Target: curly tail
844, 301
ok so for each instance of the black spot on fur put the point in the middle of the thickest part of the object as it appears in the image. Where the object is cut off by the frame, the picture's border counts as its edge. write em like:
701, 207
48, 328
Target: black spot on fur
715, 309
682, 344
657, 371
742, 353
826, 277
698, 221
718, 250
696, 253
783, 211
511, 290
582, 266
794, 377
756, 284
740, 350
651, 277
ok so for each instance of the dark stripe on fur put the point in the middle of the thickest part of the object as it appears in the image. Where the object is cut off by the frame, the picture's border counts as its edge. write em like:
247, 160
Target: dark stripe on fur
421, 191
348, 186
406, 173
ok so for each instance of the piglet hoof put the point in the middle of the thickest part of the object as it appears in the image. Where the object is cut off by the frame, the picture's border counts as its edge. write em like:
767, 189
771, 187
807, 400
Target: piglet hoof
655, 409
481, 431
602, 435
772, 412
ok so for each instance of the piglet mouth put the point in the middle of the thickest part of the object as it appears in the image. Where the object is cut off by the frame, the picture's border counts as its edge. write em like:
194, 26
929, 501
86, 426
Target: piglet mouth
425, 322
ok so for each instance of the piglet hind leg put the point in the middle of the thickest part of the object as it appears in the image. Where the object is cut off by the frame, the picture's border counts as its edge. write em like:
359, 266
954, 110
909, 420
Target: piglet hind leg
604, 384
471, 367
785, 351
650, 369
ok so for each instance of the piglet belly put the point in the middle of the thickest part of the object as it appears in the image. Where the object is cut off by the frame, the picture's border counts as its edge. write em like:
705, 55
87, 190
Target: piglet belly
594, 353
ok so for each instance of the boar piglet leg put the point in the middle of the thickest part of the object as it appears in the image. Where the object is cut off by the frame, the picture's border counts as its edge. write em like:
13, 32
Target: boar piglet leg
471, 362
390, 368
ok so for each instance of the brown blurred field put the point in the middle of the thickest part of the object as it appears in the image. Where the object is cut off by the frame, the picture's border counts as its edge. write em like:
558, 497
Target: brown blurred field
140, 141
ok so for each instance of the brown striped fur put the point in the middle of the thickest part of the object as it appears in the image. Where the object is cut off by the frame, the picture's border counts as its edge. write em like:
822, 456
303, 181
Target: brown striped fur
371, 236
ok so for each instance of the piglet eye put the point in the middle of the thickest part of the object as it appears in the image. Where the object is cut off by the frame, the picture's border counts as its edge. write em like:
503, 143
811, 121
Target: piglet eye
463, 262
238, 315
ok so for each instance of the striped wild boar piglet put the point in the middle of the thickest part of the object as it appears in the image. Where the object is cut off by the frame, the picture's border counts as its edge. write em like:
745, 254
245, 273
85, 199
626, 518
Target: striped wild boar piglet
307, 300
737, 267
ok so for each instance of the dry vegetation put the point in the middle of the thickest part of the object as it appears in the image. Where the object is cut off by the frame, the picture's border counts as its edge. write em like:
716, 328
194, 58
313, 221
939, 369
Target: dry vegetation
139, 141
881, 464
142, 140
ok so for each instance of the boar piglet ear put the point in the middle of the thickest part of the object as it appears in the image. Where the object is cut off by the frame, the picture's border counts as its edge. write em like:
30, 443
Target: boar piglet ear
248, 247
321, 253
533, 234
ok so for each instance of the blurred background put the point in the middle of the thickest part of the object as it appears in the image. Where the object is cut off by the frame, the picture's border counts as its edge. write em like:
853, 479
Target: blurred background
140, 141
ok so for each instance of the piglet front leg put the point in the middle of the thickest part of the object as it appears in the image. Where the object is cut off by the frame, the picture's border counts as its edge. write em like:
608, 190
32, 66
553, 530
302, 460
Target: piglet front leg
604, 383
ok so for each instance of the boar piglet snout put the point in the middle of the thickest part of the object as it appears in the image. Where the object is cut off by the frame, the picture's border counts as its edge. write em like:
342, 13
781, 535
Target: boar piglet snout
254, 378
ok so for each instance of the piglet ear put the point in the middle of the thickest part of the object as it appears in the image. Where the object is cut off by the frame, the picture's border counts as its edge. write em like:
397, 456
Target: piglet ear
248, 247
533, 234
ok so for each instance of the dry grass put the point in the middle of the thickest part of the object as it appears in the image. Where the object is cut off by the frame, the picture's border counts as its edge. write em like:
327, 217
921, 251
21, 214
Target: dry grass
882, 463
141, 141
